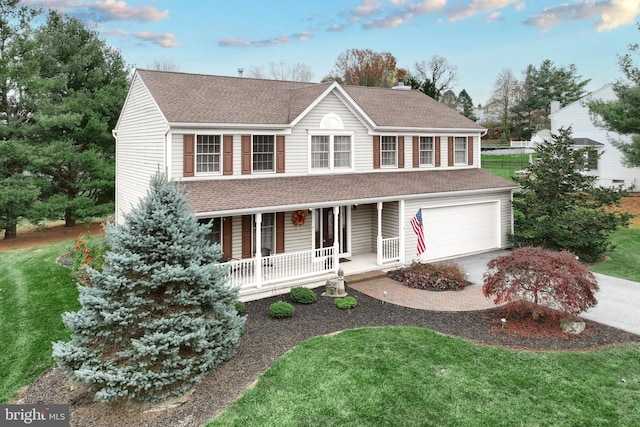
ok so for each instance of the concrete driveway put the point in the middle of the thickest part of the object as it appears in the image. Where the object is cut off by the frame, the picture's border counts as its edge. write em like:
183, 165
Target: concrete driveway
618, 299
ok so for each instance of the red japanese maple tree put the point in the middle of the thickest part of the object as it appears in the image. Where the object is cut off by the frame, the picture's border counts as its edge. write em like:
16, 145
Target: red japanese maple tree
556, 280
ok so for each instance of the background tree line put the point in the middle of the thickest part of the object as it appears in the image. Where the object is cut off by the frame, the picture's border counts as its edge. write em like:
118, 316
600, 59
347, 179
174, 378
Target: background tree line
61, 89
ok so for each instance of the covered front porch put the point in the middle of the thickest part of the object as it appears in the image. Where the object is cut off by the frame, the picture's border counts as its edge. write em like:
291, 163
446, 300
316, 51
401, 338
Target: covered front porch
356, 238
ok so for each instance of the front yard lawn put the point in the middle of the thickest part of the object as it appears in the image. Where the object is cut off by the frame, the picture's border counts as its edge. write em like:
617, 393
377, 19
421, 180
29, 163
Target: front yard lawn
624, 260
34, 292
411, 376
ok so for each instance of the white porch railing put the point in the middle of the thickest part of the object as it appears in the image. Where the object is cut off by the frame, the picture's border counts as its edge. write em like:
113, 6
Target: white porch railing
391, 249
281, 267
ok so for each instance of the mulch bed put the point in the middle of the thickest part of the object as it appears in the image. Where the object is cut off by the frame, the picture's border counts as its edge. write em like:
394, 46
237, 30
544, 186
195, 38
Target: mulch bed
266, 339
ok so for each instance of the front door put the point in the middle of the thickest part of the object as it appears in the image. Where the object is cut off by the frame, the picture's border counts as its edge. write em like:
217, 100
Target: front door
325, 233
324, 228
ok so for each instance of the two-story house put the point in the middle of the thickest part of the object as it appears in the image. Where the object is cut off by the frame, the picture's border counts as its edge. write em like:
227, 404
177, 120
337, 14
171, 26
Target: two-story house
606, 161
300, 179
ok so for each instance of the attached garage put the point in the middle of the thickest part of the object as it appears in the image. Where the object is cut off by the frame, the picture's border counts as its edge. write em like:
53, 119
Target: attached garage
461, 229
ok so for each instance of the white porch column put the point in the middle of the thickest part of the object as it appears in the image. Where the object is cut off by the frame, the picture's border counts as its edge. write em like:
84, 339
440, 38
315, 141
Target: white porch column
401, 230
379, 238
257, 267
336, 238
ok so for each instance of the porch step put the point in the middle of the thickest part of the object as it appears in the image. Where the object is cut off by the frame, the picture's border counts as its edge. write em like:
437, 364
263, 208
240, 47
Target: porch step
361, 277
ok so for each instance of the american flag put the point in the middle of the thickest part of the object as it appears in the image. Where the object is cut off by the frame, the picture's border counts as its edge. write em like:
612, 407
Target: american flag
416, 223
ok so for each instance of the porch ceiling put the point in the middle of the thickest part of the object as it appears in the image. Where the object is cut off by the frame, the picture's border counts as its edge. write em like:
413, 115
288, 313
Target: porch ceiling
257, 193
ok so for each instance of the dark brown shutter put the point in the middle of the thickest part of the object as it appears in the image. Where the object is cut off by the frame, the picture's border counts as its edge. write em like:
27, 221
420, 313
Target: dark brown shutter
376, 151
246, 154
227, 236
437, 151
227, 155
188, 151
279, 232
470, 149
246, 236
279, 153
401, 152
416, 151
450, 150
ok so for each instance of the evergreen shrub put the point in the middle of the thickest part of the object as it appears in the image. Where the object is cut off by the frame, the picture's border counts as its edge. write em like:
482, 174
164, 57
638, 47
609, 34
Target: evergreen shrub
345, 303
281, 309
159, 315
303, 295
240, 307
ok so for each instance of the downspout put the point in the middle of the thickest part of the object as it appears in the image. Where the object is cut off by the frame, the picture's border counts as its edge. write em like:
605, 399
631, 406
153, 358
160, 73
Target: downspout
167, 153
114, 133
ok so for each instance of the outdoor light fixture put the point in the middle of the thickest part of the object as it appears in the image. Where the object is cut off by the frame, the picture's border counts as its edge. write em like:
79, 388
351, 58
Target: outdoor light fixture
504, 321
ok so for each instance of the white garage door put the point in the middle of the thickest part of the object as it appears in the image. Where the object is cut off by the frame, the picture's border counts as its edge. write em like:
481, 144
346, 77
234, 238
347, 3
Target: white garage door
462, 229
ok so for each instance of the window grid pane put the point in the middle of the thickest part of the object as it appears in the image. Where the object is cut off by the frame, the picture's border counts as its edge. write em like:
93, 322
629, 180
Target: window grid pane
263, 152
388, 151
426, 150
320, 152
342, 151
460, 150
208, 153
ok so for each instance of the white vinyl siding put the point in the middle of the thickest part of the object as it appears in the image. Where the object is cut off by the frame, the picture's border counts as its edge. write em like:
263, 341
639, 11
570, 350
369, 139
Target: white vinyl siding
140, 148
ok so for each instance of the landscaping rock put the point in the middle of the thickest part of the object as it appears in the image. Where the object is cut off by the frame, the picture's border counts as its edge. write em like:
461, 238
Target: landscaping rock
571, 325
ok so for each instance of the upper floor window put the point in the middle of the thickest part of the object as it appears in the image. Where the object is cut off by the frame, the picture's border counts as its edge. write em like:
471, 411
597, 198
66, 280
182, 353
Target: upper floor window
426, 150
330, 151
460, 150
591, 159
208, 154
263, 153
388, 151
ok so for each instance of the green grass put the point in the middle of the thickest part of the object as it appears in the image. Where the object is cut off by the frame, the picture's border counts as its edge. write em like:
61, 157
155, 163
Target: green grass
624, 260
410, 376
34, 291
504, 166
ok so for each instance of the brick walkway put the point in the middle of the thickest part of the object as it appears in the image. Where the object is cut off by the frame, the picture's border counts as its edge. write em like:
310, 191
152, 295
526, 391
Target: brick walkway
378, 286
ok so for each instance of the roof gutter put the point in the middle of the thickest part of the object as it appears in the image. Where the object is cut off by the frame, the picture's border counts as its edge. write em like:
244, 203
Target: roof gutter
379, 129
285, 128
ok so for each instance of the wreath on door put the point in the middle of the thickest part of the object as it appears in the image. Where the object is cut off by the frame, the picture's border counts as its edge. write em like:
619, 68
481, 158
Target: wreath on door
299, 217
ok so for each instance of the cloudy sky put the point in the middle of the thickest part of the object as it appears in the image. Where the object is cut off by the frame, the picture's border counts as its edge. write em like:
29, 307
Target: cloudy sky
479, 37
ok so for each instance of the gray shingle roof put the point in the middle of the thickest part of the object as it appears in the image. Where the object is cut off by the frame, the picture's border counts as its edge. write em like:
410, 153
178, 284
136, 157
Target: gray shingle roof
198, 98
236, 194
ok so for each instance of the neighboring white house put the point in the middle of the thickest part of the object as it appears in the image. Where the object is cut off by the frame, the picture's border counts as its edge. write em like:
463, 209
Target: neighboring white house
608, 168
301, 179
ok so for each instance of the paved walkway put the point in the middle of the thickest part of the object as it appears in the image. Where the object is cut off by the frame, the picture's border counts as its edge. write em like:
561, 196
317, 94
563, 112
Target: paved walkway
618, 299
385, 289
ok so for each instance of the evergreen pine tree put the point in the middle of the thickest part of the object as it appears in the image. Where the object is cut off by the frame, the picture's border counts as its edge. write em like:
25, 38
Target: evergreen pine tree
159, 316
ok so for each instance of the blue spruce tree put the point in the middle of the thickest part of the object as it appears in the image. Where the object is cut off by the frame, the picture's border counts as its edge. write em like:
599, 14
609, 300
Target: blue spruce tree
159, 316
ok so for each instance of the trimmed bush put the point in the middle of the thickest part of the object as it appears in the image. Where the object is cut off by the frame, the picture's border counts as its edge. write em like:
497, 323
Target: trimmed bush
281, 310
345, 303
439, 277
303, 295
240, 307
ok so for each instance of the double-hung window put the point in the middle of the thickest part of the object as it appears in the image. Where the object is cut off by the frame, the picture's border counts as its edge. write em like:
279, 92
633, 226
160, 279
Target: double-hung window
388, 151
460, 150
267, 234
208, 149
426, 149
330, 152
263, 153
215, 232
